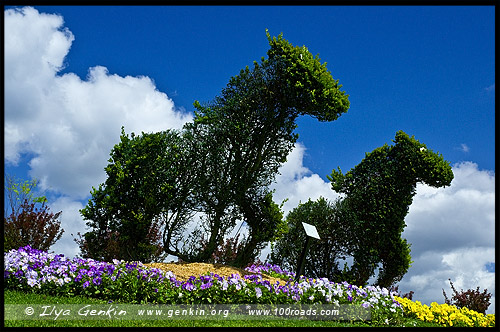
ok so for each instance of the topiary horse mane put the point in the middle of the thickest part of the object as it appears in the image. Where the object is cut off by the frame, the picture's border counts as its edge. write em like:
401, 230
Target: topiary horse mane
378, 192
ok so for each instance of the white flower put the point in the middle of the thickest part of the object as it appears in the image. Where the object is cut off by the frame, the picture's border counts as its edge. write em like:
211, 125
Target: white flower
32, 274
32, 282
224, 284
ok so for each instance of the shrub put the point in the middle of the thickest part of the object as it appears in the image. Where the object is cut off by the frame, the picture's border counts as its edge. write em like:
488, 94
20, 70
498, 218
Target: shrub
34, 226
470, 299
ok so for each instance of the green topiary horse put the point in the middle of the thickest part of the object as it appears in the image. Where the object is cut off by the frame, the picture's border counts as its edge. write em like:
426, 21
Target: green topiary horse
378, 192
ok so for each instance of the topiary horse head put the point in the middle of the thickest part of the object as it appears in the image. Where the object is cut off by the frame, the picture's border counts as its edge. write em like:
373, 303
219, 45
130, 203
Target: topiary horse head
379, 192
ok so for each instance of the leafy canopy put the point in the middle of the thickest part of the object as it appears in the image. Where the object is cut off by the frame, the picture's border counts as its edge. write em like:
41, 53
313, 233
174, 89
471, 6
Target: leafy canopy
218, 181
366, 223
380, 190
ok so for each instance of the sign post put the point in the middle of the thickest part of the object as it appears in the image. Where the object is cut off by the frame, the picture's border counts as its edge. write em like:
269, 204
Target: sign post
311, 232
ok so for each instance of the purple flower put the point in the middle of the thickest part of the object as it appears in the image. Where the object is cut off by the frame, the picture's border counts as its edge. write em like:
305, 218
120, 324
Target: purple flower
206, 285
258, 292
217, 277
205, 278
188, 286
131, 266
86, 284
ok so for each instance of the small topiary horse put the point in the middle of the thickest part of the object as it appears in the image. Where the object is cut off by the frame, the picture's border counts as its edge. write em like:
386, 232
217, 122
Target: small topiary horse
379, 192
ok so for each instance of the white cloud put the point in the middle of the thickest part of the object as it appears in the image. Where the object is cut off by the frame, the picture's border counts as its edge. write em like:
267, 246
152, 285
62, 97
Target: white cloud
452, 232
460, 215
464, 147
297, 183
69, 124
71, 222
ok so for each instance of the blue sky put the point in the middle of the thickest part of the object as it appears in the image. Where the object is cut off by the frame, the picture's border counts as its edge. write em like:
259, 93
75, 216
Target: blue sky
74, 77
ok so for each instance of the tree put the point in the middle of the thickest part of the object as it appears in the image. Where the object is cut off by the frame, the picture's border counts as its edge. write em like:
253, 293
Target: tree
366, 223
27, 218
127, 213
17, 192
33, 226
379, 192
247, 134
214, 175
323, 255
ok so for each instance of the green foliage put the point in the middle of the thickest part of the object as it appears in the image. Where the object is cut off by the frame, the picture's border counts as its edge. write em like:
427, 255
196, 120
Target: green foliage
245, 135
17, 192
19, 297
367, 222
27, 218
323, 255
220, 166
127, 212
379, 192
304, 83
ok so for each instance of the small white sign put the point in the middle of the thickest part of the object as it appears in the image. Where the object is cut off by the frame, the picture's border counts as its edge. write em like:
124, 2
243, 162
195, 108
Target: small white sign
311, 230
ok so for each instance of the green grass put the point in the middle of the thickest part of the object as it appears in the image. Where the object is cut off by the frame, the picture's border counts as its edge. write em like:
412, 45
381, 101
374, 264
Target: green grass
16, 297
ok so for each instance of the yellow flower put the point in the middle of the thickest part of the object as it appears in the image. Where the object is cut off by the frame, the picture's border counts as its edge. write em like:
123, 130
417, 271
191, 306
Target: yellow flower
446, 315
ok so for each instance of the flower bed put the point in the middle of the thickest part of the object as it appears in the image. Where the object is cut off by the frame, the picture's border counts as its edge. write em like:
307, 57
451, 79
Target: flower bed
446, 315
31, 270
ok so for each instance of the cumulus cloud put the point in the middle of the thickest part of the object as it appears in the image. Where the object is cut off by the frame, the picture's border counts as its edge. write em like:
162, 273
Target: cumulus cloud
297, 183
452, 232
69, 125
71, 222
461, 215
65, 125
